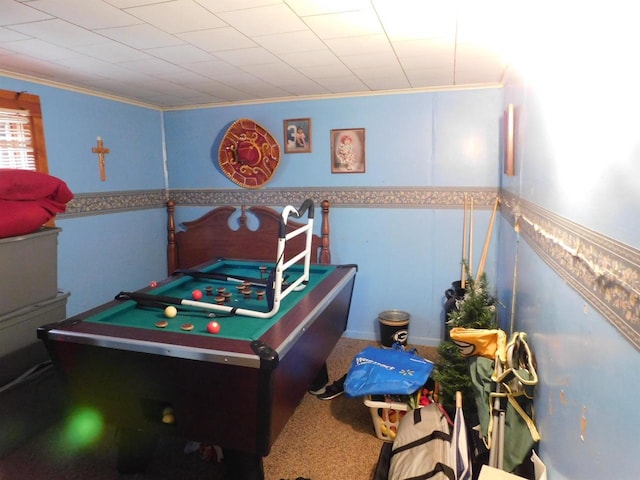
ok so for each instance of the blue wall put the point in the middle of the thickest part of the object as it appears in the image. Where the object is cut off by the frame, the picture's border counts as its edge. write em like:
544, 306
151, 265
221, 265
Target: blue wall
568, 162
407, 256
102, 255
426, 139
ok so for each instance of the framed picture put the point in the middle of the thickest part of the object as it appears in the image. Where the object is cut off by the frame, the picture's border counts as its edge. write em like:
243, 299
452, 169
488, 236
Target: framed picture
509, 141
347, 150
297, 135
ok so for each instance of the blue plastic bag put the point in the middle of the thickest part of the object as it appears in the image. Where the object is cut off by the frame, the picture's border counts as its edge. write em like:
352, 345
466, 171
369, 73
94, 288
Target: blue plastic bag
381, 371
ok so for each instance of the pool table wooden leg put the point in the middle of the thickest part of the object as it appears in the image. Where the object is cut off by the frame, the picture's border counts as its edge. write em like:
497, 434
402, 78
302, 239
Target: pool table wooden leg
243, 466
135, 449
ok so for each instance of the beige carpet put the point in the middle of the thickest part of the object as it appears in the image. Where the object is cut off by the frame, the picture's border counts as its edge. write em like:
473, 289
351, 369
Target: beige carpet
324, 440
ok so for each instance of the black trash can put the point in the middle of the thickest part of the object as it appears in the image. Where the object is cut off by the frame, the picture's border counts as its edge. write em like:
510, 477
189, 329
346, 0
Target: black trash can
394, 327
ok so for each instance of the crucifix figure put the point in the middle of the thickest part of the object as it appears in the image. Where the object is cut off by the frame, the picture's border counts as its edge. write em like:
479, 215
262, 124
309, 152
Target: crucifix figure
100, 150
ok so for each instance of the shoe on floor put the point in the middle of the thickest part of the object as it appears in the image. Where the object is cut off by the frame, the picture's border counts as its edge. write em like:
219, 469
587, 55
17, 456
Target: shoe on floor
334, 390
317, 390
319, 384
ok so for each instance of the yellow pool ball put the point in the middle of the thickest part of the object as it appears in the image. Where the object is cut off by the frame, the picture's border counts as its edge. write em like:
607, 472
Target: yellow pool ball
170, 311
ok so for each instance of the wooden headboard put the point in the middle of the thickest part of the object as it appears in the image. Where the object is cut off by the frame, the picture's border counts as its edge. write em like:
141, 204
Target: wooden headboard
210, 237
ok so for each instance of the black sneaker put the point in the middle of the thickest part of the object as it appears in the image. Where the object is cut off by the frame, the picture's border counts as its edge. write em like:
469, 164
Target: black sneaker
317, 390
334, 390
319, 384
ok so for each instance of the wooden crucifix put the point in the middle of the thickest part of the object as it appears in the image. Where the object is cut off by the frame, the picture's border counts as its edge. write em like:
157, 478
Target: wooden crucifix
100, 150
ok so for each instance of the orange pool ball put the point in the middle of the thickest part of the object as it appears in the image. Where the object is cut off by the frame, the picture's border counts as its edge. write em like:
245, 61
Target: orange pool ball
213, 327
196, 294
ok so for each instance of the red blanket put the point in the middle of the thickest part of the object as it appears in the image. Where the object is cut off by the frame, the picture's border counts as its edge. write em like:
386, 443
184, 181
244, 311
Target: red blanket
28, 200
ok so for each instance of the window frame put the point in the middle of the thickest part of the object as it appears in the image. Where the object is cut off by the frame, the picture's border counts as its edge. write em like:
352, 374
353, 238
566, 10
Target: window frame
30, 102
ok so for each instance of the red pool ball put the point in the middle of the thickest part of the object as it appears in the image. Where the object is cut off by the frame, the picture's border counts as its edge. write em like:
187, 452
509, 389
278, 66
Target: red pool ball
213, 327
196, 295
153, 284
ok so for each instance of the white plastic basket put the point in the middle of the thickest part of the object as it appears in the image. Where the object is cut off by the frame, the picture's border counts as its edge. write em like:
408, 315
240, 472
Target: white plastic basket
386, 416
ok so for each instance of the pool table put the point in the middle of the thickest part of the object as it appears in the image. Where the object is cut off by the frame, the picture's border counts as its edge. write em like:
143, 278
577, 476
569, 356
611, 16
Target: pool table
236, 388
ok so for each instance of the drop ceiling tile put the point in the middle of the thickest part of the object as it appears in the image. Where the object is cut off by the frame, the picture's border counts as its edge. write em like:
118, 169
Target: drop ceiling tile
290, 42
177, 16
435, 48
152, 66
217, 6
111, 51
427, 61
9, 35
386, 83
218, 39
346, 24
375, 60
298, 47
346, 84
14, 13
59, 32
96, 66
480, 70
180, 54
471, 51
368, 73
99, 14
276, 73
28, 65
130, 3
326, 71
361, 45
220, 89
141, 36
429, 77
267, 20
415, 19
266, 90
320, 7
312, 58
306, 87
247, 56
128, 87
39, 49
477, 76
186, 79
213, 69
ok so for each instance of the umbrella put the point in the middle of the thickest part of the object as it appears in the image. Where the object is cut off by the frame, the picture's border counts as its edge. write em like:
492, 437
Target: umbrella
460, 459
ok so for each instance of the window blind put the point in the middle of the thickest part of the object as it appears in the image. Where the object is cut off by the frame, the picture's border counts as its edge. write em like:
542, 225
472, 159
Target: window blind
16, 146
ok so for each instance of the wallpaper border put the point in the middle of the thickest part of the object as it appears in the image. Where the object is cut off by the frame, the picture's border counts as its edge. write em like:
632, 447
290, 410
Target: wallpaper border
605, 272
388, 197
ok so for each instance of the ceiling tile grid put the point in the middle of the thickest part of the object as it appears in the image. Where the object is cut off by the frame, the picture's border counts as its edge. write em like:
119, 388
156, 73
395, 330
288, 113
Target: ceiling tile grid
180, 53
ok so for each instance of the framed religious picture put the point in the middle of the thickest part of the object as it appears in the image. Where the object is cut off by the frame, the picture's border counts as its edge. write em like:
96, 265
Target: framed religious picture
297, 135
347, 150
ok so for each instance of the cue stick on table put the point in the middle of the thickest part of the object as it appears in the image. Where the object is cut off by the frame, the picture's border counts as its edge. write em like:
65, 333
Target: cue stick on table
147, 298
257, 282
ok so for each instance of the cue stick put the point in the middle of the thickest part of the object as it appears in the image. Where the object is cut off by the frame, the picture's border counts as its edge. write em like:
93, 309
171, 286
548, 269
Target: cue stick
485, 248
470, 266
146, 297
257, 282
463, 273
